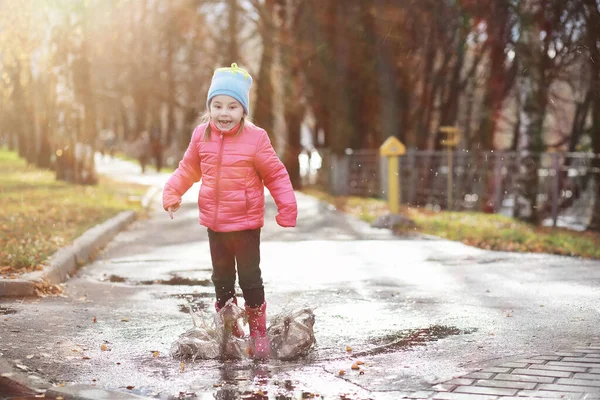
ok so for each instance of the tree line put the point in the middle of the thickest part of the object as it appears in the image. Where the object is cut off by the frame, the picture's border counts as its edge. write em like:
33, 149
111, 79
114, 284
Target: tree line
510, 74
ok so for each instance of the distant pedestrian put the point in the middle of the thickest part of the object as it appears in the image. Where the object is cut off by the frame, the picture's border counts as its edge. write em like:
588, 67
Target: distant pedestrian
142, 148
235, 160
156, 147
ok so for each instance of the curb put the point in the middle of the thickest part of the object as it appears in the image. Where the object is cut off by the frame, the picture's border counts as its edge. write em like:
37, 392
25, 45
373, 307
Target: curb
17, 381
68, 259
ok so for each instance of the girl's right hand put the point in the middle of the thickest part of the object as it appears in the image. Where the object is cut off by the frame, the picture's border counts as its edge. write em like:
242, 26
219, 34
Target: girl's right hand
172, 209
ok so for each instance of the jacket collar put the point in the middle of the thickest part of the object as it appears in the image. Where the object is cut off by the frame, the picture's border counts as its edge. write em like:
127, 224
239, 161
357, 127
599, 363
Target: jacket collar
233, 130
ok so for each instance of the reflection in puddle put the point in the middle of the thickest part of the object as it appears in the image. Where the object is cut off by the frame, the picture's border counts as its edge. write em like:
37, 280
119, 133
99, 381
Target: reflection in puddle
413, 337
193, 302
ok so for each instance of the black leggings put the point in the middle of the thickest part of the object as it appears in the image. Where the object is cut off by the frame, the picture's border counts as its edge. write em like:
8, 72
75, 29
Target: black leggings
243, 247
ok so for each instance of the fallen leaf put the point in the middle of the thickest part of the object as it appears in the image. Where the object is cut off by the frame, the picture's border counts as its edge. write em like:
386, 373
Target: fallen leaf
124, 319
103, 347
94, 320
85, 358
130, 387
181, 366
359, 363
342, 372
348, 348
155, 354
355, 366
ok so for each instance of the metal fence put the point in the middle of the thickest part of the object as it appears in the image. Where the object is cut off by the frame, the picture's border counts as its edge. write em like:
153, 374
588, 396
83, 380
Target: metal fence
482, 181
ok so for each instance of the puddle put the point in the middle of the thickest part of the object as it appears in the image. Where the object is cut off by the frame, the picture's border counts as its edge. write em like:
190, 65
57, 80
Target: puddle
115, 278
7, 311
174, 281
179, 281
468, 260
413, 337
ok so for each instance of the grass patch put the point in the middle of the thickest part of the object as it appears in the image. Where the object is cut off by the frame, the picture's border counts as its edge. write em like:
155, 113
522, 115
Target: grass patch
38, 214
486, 231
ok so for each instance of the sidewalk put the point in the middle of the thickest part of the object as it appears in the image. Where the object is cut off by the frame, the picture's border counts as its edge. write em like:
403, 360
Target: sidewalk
572, 374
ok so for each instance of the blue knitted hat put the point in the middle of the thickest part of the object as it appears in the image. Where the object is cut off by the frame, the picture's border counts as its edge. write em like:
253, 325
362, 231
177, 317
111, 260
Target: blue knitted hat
234, 82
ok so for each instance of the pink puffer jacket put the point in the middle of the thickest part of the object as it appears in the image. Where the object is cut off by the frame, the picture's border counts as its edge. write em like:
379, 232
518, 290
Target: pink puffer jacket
234, 170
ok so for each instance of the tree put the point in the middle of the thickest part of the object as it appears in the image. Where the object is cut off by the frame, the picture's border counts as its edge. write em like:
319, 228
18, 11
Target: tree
592, 15
263, 108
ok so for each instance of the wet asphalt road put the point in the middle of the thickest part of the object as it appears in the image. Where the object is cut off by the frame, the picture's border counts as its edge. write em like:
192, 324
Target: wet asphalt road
416, 312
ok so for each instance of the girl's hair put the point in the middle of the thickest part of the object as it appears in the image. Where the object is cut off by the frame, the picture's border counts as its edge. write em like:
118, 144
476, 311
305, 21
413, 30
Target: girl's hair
205, 118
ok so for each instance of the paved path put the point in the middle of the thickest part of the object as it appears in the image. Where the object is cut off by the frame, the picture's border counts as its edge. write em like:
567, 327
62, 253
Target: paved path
573, 374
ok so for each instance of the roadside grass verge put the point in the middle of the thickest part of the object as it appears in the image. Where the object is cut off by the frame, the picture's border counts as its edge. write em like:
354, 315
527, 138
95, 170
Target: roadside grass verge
39, 214
486, 231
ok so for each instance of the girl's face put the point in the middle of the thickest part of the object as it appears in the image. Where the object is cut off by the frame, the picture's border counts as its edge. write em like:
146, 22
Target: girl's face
226, 112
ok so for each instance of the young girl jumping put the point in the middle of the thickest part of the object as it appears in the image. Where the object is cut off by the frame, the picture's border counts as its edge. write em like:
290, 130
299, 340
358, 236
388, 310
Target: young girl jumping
235, 160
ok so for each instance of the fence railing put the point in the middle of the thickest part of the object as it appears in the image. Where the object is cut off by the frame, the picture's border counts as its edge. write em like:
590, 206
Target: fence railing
482, 181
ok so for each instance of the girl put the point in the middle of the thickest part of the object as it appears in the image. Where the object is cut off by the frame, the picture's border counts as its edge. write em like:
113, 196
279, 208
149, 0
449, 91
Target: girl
235, 160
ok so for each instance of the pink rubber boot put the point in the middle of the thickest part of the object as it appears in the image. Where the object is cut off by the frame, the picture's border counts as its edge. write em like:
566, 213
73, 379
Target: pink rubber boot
257, 319
236, 328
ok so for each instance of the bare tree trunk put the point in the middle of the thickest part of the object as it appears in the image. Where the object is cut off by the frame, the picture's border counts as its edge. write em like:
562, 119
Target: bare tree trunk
495, 93
427, 92
171, 85
293, 109
263, 110
233, 48
140, 75
593, 35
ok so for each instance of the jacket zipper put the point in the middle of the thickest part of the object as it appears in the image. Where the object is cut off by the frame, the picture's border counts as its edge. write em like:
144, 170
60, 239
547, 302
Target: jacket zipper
219, 161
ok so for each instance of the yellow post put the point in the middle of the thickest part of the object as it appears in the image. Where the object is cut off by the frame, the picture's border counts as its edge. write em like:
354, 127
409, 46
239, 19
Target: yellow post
450, 170
392, 148
452, 139
393, 185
